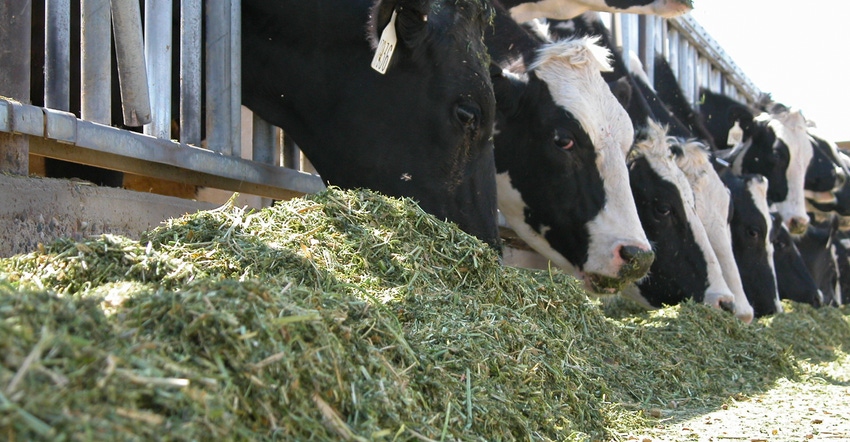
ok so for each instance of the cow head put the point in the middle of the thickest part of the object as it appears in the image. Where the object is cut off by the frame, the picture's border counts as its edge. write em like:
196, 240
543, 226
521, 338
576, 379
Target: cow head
790, 128
525, 10
754, 232
561, 146
826, 174
422, 130
685, 266
772, 144
793, 279
712, 203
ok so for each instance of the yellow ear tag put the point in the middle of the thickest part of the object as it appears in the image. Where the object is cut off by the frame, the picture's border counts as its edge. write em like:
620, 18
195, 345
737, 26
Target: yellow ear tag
386, 46
736, 135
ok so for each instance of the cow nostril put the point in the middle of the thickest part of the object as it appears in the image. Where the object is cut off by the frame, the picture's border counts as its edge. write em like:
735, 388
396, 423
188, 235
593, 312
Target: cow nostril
798, 226
728, 306
637, 260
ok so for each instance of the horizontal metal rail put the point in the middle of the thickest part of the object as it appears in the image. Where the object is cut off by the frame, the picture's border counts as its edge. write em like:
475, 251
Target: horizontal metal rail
61, 135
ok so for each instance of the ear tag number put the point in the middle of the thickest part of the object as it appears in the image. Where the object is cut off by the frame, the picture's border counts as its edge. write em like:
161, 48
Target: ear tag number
736, 135
386, 46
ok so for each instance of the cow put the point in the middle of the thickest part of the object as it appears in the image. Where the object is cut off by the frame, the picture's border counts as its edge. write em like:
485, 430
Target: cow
525, 10
714, 208
773, 144
423, 129
816, 250
793, 279
827, 172
753, 234
842, 265
560, 146
685, 265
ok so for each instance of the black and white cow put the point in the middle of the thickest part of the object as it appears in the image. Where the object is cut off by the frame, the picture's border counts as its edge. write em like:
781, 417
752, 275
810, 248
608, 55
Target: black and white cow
827, 172
560, 145
816, 250
685, 266
422, 130
525, 10
773, 144
793, 279
753, 236
715, 209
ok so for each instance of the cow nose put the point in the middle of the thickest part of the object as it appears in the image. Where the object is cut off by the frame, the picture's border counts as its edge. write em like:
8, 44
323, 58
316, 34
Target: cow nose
798, 225
637, 261
727, 306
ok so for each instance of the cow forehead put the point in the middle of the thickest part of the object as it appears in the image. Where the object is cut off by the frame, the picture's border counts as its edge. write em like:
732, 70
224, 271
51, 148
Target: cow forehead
655, 148
572, 69
695, 162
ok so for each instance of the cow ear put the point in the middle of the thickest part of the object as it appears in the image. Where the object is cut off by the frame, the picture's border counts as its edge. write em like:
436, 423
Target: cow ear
412, 21
743, 116
506, 89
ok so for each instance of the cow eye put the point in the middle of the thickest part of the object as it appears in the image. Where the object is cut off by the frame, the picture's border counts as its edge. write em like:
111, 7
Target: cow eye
753, 232
779, 245
467, 114
663, 209
563, 140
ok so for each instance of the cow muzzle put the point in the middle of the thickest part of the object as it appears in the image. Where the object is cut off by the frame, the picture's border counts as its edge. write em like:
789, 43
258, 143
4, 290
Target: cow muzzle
635, 263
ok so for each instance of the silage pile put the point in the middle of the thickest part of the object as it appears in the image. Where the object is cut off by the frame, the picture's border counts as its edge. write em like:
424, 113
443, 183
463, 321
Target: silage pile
350, 316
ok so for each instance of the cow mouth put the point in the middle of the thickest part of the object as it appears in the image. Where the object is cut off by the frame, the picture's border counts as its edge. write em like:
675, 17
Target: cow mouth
602, 284
630, 271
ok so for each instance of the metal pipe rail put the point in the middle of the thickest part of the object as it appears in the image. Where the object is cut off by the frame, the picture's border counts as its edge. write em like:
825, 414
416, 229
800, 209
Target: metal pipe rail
695, 57
58, 134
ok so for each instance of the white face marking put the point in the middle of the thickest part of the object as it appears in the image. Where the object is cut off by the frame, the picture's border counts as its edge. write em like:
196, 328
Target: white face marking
790, 127
567, 9
711, 198
571, 70
513, 209
656, 150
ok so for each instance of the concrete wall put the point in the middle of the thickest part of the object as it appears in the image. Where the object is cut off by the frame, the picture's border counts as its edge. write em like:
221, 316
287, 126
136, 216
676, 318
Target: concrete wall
39, 210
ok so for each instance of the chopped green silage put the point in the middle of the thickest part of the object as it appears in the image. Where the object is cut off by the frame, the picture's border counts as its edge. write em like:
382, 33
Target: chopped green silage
351, 316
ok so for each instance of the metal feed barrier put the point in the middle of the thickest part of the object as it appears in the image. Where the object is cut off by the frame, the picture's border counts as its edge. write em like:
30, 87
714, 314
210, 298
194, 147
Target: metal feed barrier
144, 60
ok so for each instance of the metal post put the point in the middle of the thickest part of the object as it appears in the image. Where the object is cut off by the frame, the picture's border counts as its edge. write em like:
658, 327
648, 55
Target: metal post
15, 43
190, 71
236, 75
646, 45
57, 54
266, 145
158, 63
96, 59
218, 84
130, 55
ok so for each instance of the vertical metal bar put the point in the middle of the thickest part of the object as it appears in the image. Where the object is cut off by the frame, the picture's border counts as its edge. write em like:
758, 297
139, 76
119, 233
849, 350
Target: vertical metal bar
263, 136
291, 153
96, 59
130, 55
57, 54
684, 76
219, 113
665, 39
617, 30
646, 45
236, 75
190, 71
158, 25
15, 44
673, 47
694, 57
265, 140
